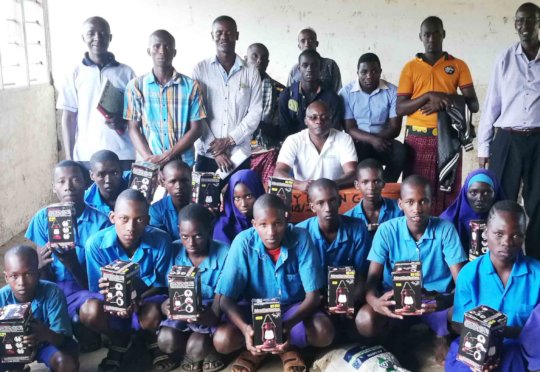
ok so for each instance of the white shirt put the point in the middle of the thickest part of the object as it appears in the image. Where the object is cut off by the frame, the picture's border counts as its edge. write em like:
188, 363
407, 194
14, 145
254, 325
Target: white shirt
80, 93
233, 103
299, 153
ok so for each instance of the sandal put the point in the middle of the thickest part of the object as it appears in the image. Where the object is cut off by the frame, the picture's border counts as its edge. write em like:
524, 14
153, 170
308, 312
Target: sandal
189, 364
247, 362
213, 362
114, 358
161, 362
293, 362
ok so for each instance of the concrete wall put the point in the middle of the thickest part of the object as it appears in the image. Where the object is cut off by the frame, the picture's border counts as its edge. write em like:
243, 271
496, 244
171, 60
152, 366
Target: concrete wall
28, 149
476, 31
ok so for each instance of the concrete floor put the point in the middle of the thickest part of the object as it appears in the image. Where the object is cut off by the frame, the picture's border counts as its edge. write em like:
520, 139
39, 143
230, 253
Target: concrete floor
413, 349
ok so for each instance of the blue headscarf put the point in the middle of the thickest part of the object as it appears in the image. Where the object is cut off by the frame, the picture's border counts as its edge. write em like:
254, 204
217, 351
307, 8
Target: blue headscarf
232, 221
460, 212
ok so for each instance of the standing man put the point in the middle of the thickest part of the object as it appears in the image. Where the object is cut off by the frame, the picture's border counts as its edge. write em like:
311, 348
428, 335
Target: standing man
371, 118
164, 107
330, 74
295, 99
232, 93
84, 129
428, 87
267, 135
509, 133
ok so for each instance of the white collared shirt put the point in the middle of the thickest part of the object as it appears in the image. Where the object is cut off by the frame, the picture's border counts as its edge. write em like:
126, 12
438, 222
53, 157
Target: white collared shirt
233, 103
299, 153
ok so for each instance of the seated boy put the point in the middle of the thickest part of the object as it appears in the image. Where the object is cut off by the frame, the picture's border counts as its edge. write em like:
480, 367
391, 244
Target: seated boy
415, 237
50, 331
68, 269
109, 181
192, 339
176, 178
130, 239
505, 280
373, 209
340, 240
272, 260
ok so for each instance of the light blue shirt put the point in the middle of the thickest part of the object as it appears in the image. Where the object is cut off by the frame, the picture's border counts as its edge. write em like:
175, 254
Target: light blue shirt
349, 248
93, 198
371, 111
249, 271
88, 223
479, 284
153, 256
210, 268
389, 209
438, 249
164, 216
48, 306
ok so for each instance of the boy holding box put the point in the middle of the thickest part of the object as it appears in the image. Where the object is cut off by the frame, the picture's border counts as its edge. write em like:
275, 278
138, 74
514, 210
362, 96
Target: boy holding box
176, 178
415, 237
68, 268
130, 239
192, 338
340, 240
505, 280
272, 260
50, 331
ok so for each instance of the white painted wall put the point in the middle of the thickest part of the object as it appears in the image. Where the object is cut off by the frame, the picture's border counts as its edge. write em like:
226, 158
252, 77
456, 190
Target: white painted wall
28, 150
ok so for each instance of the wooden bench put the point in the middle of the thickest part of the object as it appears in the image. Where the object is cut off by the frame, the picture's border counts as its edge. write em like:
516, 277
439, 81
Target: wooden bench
349, 198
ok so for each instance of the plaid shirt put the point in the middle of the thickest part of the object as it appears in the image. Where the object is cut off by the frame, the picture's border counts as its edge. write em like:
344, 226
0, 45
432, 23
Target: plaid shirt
164, 111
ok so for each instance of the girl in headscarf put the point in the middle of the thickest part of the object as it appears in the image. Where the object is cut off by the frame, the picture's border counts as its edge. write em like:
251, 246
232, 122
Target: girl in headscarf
479, 192
244, 188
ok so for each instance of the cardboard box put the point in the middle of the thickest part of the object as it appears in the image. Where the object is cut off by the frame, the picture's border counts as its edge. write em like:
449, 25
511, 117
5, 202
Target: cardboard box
206, 189
14, 324
281, 187
267, 323
61, 225
407, 278
341, 289
478, 245
144, 178
122, 291
481, 337
185, 298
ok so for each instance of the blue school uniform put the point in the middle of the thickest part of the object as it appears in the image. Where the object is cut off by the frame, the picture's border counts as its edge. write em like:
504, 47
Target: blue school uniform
479, 284
389, 210
210, 268
164, 216
153, 255
48, 306
93, 198
438, 249
89, 222
350, 247
249, 272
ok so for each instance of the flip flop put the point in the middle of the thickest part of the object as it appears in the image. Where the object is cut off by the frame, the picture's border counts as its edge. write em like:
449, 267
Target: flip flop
190, 365
247, 361
292, 360
213, 362
161, 362
114, 358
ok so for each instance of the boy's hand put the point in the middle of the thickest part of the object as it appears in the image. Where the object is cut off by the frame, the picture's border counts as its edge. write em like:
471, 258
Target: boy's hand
383, 303
38, 334
103, 285
281, 348
248, 335
45, 256
206, 318
124, 314
68, 256
165, 308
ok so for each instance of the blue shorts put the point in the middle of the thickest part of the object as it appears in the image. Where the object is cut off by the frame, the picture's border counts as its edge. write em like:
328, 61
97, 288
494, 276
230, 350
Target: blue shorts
76, 296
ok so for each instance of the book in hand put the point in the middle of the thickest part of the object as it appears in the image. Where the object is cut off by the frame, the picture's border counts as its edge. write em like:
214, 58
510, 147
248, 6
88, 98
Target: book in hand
111, 103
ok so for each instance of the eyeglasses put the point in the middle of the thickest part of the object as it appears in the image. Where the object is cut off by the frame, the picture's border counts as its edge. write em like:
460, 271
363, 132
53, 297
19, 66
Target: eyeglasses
526, 20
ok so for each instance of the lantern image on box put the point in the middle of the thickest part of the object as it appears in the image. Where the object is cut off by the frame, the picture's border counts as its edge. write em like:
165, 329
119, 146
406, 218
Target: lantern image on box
56, 230
407, 298
9, 347
282, 195
268, 333
177, 302
342, 296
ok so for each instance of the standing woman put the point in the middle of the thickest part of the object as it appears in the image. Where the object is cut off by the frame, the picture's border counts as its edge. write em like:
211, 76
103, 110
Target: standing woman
244, 188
